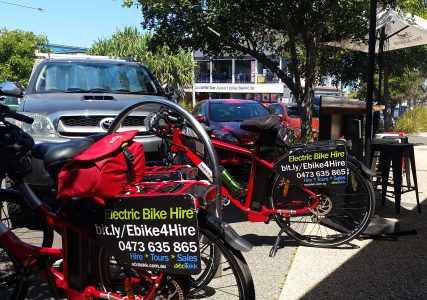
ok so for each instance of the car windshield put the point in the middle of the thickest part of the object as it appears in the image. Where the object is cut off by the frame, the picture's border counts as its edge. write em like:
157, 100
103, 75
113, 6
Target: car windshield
81, 77
293, 111
236, 112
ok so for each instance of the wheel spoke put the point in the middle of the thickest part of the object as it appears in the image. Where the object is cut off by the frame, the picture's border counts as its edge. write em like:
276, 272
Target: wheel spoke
342, 212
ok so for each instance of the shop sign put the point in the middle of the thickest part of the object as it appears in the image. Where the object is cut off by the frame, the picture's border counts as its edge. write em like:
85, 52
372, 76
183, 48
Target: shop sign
273, 88
315, 167
157, 233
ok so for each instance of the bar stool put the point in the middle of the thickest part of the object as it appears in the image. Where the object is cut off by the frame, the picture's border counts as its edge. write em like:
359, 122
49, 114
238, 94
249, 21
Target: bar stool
393, 151
399, 137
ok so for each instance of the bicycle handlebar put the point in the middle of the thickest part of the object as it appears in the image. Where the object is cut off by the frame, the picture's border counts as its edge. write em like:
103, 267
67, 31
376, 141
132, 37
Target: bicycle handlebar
160, 120
5, 112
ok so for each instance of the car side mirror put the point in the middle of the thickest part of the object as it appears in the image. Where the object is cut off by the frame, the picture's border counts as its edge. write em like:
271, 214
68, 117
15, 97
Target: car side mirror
208, 129
9, 88
281, 116
201, 119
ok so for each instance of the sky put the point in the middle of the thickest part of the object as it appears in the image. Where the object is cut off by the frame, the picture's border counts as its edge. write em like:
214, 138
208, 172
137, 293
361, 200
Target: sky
76, 23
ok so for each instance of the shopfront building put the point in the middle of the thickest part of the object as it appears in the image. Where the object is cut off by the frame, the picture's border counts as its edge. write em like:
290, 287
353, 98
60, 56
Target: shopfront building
243, 78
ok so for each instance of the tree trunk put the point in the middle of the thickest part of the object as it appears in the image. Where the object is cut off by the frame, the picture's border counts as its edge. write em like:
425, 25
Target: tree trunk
306, 103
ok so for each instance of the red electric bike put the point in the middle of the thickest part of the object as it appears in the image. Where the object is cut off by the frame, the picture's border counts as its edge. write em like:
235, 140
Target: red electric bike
316, 192
156, 240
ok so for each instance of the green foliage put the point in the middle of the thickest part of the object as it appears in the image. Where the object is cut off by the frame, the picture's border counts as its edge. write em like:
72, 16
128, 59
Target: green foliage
169, 67
188, 106
349, 67
417, 7
353, 95
292, 29
409, 85
404, 70
17, 54
413, 121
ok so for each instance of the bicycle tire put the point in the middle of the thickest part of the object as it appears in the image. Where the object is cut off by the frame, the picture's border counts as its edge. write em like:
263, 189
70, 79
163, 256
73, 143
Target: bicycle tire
343, 214
24, 223
12, 286
213, 282
210, 261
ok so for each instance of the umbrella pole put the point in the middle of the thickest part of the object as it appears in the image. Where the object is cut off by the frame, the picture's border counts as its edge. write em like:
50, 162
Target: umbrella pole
380, 95
370, 81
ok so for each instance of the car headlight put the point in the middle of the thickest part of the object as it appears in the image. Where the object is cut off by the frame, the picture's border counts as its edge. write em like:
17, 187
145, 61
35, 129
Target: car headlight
41, 127
224, 136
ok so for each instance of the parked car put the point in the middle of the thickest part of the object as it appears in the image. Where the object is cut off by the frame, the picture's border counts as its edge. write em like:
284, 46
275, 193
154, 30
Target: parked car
225, 115
291, 115
74, 97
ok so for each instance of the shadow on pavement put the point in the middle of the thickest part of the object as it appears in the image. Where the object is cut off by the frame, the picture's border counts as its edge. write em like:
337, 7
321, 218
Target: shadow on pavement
258, 240
383, 269
38, 290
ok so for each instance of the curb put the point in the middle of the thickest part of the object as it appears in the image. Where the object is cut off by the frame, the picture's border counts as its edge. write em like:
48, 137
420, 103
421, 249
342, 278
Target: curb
421, 134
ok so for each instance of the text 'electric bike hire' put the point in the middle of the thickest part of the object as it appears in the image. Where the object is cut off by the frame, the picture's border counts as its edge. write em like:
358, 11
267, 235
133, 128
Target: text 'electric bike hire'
156, 240
316, 192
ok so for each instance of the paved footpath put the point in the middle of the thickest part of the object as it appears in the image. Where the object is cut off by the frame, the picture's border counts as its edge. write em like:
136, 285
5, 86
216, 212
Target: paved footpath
268, 272
373, 269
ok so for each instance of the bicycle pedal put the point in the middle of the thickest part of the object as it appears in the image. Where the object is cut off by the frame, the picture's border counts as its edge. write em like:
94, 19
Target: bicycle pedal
225, 201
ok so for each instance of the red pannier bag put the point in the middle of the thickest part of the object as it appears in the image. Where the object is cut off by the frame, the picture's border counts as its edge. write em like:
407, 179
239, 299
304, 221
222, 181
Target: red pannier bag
104, 169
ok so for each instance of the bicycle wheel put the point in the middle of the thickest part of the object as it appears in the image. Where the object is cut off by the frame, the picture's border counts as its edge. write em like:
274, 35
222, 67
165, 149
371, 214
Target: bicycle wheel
228, 275
341, 214
210, 257
224, 275
11, 285
23, 222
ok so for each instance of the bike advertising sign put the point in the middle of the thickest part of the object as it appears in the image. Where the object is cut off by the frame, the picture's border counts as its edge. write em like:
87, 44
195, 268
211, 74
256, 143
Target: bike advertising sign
310, 166
158, 233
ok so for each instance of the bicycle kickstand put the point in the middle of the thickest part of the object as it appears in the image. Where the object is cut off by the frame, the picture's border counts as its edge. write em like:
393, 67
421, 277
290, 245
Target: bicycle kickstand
275, 247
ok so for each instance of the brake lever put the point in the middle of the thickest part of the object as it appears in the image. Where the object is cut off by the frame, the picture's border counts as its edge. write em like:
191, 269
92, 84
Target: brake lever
161, 124
172, 119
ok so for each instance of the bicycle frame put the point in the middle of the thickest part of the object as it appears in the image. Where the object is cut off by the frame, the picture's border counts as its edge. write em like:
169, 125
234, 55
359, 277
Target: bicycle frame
257, 163
30, 256
77, 270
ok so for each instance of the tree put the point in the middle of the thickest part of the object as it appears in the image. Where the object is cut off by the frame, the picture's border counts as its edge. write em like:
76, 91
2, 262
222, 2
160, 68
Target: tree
17, 54
170, 68
290, 29
404, 70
